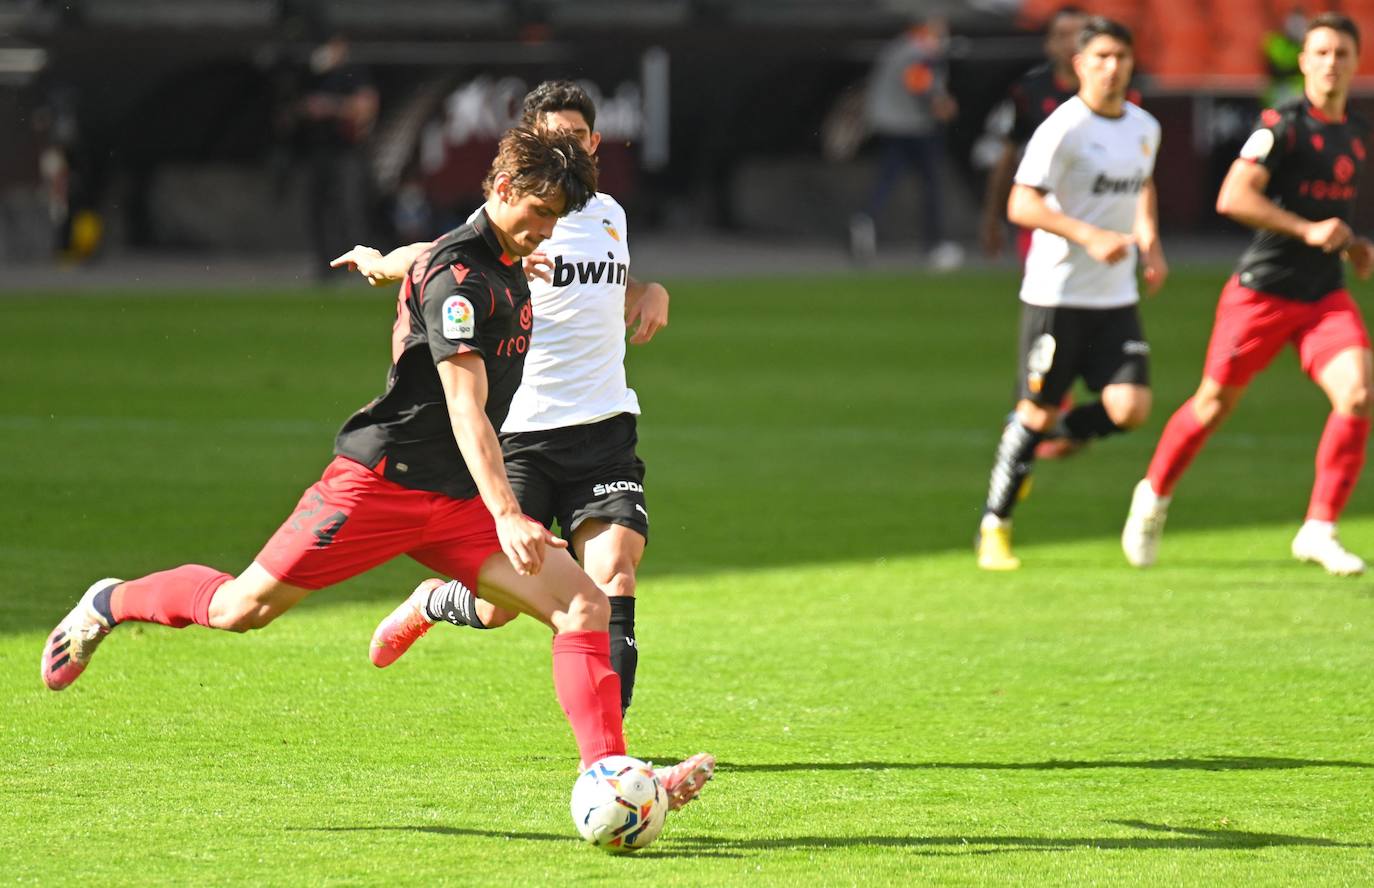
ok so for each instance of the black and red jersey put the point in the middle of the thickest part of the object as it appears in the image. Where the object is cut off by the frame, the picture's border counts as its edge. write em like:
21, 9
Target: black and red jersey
1314, 166
462, 296
1034, 97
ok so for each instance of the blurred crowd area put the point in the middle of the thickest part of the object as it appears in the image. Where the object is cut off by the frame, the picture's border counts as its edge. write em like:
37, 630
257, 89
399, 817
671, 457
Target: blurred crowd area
250, 127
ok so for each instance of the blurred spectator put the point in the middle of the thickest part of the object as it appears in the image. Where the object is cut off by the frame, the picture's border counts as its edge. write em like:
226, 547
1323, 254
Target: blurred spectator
906, 107
1281, 50
336, 113
68, 182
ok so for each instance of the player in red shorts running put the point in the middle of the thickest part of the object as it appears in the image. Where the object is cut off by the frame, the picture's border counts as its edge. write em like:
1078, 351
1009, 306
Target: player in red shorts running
418, 471
1295, 184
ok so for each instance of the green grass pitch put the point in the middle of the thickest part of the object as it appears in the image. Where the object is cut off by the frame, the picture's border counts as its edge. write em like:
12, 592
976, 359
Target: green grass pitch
818, 451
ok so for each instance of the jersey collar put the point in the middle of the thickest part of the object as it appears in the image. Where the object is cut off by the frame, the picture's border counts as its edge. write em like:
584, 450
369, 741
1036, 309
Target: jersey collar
481, 223
1317, 112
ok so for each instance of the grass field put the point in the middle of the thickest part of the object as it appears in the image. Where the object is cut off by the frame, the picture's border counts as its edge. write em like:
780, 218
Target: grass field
883, 712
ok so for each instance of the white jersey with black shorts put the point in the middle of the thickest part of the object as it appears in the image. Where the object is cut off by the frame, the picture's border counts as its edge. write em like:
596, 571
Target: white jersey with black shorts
569, 439
1079, 316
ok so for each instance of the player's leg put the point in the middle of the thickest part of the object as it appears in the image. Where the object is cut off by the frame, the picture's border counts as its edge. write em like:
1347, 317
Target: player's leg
192, 593
610, 554
1335, 353
565, 599
348, 522
1249, 330
1047, 368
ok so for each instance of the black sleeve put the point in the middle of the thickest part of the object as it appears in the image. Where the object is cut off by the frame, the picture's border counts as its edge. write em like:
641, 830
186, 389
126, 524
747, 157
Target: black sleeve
1021, 125
456, 301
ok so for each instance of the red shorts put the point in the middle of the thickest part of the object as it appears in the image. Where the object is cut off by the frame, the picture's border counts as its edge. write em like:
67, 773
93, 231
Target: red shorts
353, 519
1252, 327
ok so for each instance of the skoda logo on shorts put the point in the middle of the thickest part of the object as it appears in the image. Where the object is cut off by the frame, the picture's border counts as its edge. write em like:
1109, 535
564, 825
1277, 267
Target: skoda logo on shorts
617, 487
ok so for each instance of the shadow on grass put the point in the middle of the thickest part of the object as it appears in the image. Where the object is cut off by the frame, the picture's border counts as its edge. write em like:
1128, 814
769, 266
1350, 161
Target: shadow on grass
1176, 839
655, 853
1201, 763
1169, 838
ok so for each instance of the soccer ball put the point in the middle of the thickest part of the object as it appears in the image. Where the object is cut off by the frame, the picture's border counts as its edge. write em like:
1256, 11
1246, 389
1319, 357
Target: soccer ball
618, 805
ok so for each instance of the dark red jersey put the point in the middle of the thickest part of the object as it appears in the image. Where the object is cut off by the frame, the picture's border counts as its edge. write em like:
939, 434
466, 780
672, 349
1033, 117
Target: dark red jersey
1034, 96
461, 296
1314, 166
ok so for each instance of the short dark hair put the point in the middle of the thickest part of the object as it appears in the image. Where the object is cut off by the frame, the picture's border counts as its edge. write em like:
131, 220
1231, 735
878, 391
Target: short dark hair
557, 95
1336, 22
1064, 12
544, 163
1101, 26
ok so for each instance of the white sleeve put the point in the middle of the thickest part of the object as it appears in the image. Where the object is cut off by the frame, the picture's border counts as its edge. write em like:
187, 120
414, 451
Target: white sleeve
1043, 164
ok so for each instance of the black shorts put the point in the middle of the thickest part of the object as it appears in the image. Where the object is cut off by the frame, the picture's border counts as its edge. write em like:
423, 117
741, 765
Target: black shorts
578, 472
1103, 346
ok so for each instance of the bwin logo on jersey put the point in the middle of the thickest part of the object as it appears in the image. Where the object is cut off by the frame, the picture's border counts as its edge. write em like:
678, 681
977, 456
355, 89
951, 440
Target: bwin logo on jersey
1105, 184
617, 486
608, 272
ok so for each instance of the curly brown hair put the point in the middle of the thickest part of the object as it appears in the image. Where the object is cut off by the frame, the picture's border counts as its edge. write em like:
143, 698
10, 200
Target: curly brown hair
544, 164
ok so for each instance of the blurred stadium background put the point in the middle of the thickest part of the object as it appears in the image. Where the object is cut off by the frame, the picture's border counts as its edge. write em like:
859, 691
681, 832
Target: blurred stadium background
157, 130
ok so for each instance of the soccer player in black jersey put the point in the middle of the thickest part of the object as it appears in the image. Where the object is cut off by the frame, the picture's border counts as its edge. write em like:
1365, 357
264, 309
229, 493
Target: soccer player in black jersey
1294, 183
418, 471
1033, 97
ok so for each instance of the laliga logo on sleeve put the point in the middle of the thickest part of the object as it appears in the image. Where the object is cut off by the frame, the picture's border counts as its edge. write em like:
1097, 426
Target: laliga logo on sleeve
610, 229
458, 316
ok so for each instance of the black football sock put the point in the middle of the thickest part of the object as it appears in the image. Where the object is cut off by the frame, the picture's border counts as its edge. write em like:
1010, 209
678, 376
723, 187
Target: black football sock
1015, 455
1085, 422
101, 603
624, 649
454, 603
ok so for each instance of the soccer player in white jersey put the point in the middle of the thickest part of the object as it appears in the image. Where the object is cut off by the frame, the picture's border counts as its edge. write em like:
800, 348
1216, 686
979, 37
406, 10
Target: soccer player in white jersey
1085, 185
569, 440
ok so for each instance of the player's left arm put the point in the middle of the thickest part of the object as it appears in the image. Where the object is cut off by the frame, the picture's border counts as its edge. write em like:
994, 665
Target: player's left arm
646, 304
379, 269
1146, 231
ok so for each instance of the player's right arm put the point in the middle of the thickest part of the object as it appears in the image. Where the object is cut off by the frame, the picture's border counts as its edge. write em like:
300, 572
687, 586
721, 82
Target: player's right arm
378, 269
1029, 209
1242, 198
1044, 167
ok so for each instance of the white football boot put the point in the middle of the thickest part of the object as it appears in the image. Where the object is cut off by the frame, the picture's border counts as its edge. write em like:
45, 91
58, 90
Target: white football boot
1317, 542
72, 643
1144, 525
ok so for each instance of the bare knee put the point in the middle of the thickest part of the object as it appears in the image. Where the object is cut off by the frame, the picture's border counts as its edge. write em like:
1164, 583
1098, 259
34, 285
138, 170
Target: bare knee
1035, 417
1211, 405
588, 611
1128, 409
1352, 400
621, 585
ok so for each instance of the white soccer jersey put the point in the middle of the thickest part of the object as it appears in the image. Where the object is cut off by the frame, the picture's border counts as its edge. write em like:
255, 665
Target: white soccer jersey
575, 369
1091, 168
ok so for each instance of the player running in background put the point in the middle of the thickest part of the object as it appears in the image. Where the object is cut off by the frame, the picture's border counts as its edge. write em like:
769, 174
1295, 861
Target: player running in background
569, 440
418, 470
1294, 183
1033, 98
1085, 185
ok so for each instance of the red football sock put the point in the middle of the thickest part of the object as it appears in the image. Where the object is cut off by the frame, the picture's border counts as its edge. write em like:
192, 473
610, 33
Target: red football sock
1340, 457
589, 692
177, 597
1182, 439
